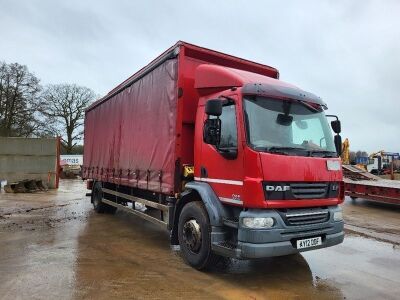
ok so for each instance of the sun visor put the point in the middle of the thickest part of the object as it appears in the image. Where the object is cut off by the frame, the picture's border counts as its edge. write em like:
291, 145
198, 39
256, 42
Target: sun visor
283, 92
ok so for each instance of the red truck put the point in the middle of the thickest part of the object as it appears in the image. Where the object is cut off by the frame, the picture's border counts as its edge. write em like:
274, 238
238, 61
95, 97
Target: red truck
225, 156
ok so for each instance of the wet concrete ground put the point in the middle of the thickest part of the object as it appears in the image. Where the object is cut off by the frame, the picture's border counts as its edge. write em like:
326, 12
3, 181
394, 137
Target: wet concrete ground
53, 246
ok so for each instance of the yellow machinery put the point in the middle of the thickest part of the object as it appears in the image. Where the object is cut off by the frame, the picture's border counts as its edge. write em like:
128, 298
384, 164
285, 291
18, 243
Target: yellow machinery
345, 152
376, 154
346, 155
379, 155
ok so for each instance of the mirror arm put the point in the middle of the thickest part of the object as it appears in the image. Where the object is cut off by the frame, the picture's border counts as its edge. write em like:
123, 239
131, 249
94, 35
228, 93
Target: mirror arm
333, 116
227, 101
336, 126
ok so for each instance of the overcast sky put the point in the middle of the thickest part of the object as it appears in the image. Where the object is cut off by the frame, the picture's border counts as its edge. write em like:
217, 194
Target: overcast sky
347, 52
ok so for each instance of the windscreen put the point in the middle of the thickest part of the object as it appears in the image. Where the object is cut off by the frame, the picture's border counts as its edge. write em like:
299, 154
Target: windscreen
287, 127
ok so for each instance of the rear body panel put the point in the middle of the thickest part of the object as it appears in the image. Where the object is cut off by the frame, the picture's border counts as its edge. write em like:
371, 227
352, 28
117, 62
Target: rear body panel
130, 139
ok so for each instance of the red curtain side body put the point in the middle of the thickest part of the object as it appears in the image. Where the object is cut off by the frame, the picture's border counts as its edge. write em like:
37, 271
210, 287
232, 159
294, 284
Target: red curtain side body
130, 138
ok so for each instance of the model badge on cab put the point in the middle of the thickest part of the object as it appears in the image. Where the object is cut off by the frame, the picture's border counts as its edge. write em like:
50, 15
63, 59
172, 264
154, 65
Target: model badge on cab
277, 188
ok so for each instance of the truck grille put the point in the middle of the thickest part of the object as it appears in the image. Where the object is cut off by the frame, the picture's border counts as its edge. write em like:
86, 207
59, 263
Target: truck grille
306, 217
275, 190
309, 190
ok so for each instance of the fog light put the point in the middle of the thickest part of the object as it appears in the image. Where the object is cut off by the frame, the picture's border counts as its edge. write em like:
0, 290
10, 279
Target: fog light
338, 216
258, 222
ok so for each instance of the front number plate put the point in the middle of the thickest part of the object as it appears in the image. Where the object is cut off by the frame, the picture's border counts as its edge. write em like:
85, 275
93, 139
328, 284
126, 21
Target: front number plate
307, 243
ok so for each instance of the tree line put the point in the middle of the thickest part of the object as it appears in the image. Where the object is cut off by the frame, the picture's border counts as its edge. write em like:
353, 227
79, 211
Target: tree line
29, 109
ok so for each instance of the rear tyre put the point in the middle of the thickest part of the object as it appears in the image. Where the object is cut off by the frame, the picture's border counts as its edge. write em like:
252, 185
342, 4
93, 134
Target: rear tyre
98, 204
195, 238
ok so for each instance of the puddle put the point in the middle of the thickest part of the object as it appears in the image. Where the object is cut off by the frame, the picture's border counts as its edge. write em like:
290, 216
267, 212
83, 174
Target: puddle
362, 268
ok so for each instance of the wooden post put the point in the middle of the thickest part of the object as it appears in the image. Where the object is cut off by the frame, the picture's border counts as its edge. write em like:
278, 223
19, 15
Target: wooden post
58, 153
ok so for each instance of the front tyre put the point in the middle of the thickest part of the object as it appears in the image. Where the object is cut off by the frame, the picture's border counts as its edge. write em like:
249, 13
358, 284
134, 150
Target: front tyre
194, 236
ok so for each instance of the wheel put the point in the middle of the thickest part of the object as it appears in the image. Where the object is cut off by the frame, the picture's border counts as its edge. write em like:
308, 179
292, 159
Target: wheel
353, 199
194, 236
98, 204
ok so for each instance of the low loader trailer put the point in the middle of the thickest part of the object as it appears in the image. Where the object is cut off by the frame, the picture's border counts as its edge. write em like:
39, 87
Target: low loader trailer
225, 156
361, 184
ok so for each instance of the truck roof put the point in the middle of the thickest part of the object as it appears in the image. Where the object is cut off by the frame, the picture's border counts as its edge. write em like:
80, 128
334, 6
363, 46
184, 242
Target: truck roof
211, 56
212, 76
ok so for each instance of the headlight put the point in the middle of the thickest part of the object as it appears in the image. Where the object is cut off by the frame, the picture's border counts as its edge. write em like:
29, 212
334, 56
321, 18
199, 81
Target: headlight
338, 216
258, 222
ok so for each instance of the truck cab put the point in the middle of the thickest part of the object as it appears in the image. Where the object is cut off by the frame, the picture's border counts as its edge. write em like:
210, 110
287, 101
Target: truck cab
267, 151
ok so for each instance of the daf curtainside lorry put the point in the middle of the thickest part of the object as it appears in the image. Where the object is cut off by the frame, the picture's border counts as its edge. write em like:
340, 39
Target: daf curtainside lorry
225, 156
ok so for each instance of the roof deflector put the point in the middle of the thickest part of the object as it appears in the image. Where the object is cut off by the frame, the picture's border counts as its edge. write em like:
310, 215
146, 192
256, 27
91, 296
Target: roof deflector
285, 92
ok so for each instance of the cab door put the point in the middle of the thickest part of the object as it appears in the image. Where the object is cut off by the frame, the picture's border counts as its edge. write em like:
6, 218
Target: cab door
220, 166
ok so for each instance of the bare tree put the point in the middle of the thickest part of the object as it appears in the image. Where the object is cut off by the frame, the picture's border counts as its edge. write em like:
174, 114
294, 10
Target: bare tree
64, 108
19, 101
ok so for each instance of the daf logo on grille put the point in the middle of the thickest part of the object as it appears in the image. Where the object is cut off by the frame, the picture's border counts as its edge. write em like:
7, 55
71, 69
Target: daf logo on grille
278, 188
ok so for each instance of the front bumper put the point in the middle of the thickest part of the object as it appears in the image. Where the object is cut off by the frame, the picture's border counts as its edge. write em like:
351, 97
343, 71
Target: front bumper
248, 250
281, 238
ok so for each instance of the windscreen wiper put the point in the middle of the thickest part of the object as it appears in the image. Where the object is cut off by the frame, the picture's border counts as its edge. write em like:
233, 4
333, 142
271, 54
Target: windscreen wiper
267, 149
283, 150
326, 153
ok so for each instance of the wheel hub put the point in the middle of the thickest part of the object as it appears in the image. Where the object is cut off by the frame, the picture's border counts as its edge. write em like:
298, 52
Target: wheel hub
192, 235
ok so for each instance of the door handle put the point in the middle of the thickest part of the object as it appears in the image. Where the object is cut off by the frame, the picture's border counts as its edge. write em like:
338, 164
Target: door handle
203, 172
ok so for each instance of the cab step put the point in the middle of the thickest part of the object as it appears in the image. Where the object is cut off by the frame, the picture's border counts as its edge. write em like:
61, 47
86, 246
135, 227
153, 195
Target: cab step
226, 248
231, 222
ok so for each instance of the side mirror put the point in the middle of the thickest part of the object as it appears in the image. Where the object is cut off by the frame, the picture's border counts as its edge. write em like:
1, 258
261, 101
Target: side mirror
212, 131
336, 126
214, 107
338, 144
